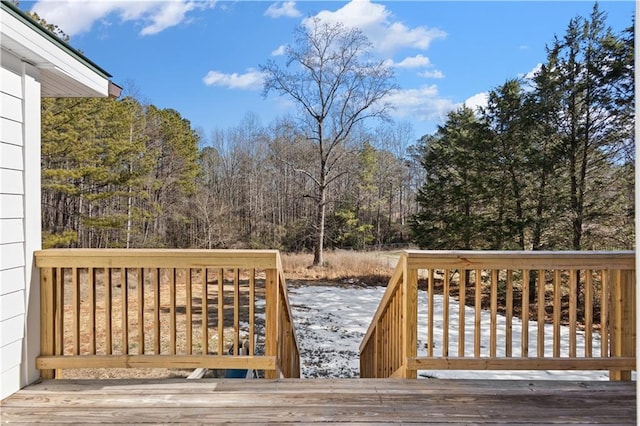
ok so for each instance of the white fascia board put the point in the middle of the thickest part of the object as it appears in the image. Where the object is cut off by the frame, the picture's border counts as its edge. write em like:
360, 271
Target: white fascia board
34, 48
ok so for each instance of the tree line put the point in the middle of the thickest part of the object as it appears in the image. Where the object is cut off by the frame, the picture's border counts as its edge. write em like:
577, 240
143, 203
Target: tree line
548, 164
117, 173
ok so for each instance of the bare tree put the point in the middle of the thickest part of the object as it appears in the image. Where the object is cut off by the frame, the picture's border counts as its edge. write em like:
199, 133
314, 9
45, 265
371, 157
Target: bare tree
332, 78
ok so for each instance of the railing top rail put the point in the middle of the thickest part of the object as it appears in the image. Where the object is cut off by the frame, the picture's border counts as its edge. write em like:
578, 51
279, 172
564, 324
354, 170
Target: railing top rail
283, 283
417, 259
157, 258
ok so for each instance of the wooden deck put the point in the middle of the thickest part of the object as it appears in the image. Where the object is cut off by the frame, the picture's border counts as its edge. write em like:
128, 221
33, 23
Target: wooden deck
364, 401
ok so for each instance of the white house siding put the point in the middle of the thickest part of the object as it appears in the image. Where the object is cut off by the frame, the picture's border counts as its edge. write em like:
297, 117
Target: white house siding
33, 64
19, 219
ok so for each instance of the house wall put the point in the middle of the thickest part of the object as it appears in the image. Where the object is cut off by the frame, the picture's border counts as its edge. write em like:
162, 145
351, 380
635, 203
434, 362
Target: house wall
20, 226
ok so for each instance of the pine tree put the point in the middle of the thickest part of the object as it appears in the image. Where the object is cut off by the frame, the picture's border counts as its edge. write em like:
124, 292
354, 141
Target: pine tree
583, 92
455, 207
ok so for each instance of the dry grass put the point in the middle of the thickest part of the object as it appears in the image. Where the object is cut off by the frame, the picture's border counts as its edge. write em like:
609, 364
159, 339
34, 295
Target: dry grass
368, 268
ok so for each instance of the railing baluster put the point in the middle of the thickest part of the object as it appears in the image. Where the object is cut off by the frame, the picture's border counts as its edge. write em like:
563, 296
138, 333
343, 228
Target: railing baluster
387, 340
236, 311
205, 311
462, 280
252, 311
141, 348
615, 300
124, 288
75, 306
509, 315
391, 327
524, 347
172, 311
391, 331
156, 312
430, 310
59, 316
604, 314
478, 314
397, 329
396, 326
573, 302
108, 312
379, 363
445, 314
557, 311
493, 339
91, 286
588, 313
220, 312
385, 344
188, 310
541, 302
390, 341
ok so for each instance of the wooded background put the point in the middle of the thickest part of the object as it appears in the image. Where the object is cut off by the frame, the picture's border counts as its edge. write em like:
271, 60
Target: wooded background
548, 164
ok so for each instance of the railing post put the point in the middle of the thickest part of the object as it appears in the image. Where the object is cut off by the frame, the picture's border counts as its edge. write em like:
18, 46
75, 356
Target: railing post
271, 319
409, 317
47, 309
622, 327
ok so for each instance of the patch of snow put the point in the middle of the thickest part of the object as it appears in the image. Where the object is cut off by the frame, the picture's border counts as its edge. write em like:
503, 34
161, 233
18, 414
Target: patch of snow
331, 322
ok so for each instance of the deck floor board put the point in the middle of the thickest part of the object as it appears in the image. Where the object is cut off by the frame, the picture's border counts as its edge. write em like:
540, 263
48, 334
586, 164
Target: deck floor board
354, 401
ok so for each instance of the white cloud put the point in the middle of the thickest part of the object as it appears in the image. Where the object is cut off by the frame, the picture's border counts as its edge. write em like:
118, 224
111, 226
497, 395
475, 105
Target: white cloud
250, 80
417, 61
422, 104
531, 74
285, 8
279, 51
77, 16
399, 35
477, 101
431, 74
170, 15
376, 22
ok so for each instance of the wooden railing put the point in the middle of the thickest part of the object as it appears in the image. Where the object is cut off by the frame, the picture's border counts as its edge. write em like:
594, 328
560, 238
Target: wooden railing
178, 309
582, 317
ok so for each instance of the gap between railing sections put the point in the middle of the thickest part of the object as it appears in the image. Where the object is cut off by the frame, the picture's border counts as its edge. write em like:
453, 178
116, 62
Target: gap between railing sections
137, 308
584, 296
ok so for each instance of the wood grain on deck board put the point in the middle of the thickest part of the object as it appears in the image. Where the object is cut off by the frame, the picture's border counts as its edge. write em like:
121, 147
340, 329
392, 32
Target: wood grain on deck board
330, 400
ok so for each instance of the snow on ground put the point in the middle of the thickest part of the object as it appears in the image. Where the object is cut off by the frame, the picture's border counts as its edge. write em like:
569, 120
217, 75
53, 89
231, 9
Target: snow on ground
331, 322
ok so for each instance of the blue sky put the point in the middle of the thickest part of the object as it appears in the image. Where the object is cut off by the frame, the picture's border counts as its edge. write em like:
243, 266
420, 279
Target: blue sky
201, 58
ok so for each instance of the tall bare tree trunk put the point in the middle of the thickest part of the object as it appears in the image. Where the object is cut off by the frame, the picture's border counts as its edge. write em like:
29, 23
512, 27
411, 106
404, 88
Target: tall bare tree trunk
318, 253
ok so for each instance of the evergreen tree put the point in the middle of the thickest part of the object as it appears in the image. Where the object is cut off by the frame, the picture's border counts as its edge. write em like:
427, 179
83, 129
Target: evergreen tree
584, 89
509, 128
455, 212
